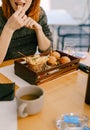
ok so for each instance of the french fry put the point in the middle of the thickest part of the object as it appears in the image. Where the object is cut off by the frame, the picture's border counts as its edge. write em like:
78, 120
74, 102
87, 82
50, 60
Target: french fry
19, 7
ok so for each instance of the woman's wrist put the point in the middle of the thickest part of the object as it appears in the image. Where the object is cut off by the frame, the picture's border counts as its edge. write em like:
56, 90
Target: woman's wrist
38, 29
8, 29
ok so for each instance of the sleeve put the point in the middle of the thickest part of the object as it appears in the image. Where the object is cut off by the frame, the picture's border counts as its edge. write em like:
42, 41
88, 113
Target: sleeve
45, 27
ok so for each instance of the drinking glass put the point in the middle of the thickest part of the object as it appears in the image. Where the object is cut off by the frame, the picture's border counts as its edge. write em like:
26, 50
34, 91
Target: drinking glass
69, 49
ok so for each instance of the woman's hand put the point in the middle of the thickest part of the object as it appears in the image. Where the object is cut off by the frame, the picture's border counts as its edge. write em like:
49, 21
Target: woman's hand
32, 24
17, 20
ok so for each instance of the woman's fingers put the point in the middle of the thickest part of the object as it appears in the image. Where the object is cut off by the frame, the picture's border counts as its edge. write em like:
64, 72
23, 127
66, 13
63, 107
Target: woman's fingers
18, 11
30, 22
24, 18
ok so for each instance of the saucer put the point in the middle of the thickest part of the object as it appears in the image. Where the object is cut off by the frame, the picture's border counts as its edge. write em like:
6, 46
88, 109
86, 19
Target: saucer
80, 55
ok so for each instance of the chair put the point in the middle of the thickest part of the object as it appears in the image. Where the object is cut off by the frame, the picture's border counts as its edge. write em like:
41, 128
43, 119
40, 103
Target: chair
72, 33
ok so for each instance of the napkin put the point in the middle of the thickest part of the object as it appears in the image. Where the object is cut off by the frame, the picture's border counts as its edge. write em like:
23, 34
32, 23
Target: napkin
8, 71
8, 115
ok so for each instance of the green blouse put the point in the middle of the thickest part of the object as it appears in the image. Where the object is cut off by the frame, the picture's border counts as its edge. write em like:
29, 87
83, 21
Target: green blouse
24, 39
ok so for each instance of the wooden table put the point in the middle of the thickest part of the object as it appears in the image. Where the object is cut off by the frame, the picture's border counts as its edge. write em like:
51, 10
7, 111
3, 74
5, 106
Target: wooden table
62, 95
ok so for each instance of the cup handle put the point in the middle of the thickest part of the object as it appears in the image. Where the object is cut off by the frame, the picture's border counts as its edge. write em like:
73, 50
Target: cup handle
21, 110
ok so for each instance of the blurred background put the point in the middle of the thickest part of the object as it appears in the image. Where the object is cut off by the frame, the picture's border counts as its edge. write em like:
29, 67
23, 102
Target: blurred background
79, 9
71, 22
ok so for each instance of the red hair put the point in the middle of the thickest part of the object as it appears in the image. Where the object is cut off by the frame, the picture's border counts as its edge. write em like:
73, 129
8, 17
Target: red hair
33, 11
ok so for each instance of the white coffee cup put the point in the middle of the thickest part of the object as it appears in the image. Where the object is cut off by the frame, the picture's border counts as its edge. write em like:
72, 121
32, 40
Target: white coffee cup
29, 106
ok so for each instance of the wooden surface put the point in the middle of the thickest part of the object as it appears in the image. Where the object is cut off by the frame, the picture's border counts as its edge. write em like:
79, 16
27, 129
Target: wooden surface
62, 95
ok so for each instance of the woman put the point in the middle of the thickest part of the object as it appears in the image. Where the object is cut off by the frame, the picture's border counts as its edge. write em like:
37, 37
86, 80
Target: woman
23, 27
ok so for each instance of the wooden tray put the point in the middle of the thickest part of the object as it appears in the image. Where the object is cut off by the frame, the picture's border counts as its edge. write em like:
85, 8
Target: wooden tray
22, 70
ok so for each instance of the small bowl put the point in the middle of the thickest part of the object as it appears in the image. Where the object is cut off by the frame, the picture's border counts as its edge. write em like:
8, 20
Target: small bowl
71, 121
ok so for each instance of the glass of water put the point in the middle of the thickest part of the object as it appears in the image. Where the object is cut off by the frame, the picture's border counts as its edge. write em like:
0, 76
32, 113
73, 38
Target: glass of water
72, 121
69, 48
